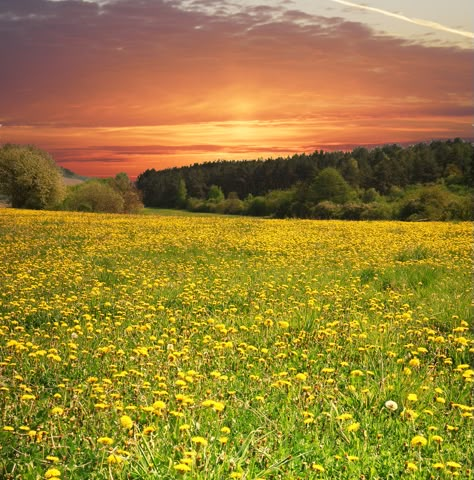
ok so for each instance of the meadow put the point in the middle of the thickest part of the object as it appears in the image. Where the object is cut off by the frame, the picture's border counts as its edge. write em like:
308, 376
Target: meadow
145, 347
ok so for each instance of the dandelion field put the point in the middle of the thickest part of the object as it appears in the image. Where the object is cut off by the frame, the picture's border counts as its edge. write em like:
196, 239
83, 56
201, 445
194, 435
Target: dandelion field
147, 347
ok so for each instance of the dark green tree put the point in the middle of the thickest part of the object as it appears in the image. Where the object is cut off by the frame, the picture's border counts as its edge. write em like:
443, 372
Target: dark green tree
329, 185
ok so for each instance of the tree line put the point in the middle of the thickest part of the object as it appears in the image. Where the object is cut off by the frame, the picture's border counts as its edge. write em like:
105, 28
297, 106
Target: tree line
29, 178
418, 182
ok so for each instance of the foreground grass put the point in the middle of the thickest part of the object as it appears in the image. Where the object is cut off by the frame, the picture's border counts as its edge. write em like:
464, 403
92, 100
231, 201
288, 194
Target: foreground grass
213, 348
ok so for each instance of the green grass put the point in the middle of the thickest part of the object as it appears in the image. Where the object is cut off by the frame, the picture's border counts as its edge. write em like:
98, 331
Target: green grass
238, 347
170, 212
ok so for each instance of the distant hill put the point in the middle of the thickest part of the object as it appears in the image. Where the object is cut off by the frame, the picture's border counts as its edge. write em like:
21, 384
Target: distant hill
70, 174
71, 178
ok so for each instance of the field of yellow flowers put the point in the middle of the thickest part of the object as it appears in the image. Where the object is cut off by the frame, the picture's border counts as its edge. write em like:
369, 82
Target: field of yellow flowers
146, 347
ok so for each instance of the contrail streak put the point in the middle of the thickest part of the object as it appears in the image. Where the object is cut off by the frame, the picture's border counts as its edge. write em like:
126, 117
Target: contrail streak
416, 21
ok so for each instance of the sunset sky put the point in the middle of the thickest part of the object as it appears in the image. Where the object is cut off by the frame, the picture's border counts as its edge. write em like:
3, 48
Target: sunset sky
110, 86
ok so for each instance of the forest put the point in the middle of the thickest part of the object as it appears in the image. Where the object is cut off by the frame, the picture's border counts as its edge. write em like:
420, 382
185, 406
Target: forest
425, 181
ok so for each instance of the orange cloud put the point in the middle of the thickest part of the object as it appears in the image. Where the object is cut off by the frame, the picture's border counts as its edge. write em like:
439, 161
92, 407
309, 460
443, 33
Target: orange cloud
134, 85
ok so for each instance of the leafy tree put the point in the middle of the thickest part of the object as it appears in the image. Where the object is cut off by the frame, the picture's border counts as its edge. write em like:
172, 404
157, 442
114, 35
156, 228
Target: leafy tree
215, 194
350, 171
129, 193
329, 185
181, 194
95, 196
29, 177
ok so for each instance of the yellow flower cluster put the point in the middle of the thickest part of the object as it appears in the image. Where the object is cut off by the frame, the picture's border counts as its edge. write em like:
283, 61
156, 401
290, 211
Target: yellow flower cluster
209, 347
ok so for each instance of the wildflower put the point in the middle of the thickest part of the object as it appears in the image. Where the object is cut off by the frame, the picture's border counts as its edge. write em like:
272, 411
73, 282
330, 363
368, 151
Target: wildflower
225, 430
223, 440
57, 411
410, 466
357, 373
412, 397
159, 405
199, 441
52, 472
437, 438
184, 427
438, 466
317, 467
126, 422
344, 416
453, 465
352, 458
414, 362
52, 458
391, 405
418, 441
182, 467
148, 430
114, 459
27, 397
7, 428
105, 440
353, 427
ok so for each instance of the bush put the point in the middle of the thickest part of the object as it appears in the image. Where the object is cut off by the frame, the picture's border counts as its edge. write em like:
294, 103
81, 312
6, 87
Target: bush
256, 206
94, 196
325, 210
435, 202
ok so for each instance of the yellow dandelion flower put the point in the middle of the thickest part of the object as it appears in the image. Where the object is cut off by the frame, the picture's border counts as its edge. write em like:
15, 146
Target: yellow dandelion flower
414, 362
199, 441
453, 465
418, 441
223, 440
27, 396
317, 467
225, 430
344, 416
410, 466
7, 428
126, 422
114, 459
412, 397
353, 427
436, 438
57, 411
159, 405
182, 467
438, 466
52, 458
105, 441
52, 472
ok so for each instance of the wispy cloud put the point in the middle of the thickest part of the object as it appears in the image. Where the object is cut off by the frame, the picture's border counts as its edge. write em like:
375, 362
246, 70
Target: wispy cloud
415, 21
